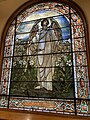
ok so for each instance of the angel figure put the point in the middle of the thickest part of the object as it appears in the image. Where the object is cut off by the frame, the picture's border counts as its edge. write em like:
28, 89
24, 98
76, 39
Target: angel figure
47, 37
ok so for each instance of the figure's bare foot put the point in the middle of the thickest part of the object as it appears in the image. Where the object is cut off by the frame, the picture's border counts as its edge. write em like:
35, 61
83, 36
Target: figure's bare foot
38, 87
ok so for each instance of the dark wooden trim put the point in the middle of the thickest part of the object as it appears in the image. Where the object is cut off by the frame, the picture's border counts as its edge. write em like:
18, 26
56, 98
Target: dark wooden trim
46, 114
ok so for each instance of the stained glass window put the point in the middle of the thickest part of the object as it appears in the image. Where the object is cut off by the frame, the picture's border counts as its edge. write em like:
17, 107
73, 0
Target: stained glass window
44, 64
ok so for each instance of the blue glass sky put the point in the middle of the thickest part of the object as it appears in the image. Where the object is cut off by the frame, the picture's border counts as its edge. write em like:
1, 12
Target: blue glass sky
61, 19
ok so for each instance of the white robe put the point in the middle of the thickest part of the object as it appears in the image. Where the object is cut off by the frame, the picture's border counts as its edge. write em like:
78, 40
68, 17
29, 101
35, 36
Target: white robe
46, 60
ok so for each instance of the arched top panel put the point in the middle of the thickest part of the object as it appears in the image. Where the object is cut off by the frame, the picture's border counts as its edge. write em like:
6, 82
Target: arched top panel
67, 5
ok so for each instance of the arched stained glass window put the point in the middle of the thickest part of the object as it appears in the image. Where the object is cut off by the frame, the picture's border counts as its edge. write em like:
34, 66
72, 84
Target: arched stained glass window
44, 63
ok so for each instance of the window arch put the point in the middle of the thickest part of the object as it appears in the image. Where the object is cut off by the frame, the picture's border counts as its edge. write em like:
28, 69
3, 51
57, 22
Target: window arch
44, 58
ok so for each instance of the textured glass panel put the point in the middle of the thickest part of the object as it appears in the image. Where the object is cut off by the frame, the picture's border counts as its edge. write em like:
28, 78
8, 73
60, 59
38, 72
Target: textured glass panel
21, 50
34, 48
81, 58
82, 107
63, 60
47, 105
9, 40
3, 102
62, 88
18, 62
6, 62
82, 88
25, 62
79, 44
4, 87
64, 46
8, 51
24, 27
5, 74
22, 88
21, 37
28, 74
82, 72
76, 20
78, 31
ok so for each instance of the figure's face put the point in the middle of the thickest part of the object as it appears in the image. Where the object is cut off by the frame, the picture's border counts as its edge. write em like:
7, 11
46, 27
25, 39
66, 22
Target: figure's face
82, 83
45, 23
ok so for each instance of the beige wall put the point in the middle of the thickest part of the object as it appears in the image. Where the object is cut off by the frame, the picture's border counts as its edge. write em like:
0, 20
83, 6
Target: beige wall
7, 7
